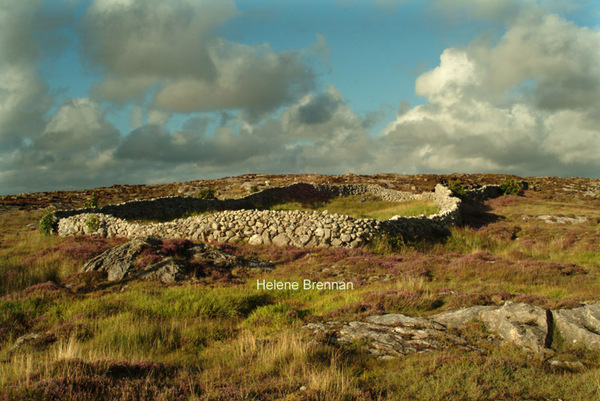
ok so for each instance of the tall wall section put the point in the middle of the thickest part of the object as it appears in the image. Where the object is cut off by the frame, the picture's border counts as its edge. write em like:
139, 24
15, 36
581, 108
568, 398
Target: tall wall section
241, 219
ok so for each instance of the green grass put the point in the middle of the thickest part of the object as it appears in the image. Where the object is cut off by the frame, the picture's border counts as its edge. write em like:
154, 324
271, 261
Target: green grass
361, 207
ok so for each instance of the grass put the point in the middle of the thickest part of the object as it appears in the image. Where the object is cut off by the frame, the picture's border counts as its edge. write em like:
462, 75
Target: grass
222, 340
365, 207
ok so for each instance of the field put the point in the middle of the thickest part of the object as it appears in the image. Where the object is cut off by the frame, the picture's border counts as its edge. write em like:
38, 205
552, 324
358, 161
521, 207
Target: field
223, 339
365, 207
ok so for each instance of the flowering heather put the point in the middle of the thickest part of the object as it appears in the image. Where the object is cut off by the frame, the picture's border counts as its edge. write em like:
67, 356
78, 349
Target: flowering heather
148, 257
175, 247
80, 248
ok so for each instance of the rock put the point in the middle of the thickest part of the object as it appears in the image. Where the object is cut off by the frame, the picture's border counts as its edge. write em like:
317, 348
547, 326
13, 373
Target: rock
256, 239
396, 319
460, 317
25, 339
281, 240
266, 237
118, 261
167, 271
121, 261
568, 366
579, 326
522, 324
304, 239
400, 335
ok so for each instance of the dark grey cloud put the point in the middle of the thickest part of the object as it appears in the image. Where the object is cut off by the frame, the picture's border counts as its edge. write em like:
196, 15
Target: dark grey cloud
318, 110
24, 96
169, 52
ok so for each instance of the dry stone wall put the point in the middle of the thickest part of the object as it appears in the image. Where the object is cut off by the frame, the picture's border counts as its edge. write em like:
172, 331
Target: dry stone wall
241, 219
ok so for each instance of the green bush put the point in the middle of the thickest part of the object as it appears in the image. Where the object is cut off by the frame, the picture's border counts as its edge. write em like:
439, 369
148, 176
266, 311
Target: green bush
91, 202
206, 193
510, 186
458, 188
48, 223
92, 223
254, 188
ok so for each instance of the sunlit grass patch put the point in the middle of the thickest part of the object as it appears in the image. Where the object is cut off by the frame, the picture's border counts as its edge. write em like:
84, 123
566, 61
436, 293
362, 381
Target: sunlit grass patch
365, 207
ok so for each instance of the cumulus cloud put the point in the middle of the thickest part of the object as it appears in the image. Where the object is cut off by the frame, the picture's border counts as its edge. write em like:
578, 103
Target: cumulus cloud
168, 50
319, 109
77, 133
303, 138
527, 104
24, 95
74, 149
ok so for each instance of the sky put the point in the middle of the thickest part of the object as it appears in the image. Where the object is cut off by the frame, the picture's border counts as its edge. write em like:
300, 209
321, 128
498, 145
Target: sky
104, 92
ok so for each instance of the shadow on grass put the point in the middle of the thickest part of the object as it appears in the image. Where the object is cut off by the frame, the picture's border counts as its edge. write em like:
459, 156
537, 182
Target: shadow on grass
477, 214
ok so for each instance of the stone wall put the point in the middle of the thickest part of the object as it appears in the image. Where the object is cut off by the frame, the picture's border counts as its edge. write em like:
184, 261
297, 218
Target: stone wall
241, 220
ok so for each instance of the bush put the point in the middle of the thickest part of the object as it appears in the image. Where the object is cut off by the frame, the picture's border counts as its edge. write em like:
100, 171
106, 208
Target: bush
510, 186
458, 188
92, 223
254, 188
48, 223
206, 193
91, 202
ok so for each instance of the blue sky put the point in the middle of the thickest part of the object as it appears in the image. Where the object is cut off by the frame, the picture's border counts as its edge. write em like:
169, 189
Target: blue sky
104, 92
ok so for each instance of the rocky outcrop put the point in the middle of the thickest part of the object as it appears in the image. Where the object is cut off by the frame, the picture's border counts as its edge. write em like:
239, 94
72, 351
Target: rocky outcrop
521, 324
119, 261
524, 325
167, 261
579, 326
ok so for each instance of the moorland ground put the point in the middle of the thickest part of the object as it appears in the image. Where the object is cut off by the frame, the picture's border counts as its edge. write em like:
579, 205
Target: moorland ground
221, 338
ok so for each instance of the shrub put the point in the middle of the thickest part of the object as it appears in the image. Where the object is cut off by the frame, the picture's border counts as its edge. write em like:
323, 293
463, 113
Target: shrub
254, 188
206, 193
92, 223
510, 186
91, 202
458, 188
48, 223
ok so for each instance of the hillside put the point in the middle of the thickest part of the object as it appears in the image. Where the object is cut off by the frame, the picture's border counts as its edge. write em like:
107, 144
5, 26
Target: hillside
185, 320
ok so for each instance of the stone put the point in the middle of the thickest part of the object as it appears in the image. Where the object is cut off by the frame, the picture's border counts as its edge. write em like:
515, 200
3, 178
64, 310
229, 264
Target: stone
266, 237
281, 240
25, 339
579, 326
230, 225
167, 271
524, 325
117, 261
396, 319
566, 366
460, 317
256, 239
400, 335
521, 324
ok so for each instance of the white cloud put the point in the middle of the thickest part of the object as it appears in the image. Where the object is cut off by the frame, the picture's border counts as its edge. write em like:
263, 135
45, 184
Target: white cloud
526, 105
